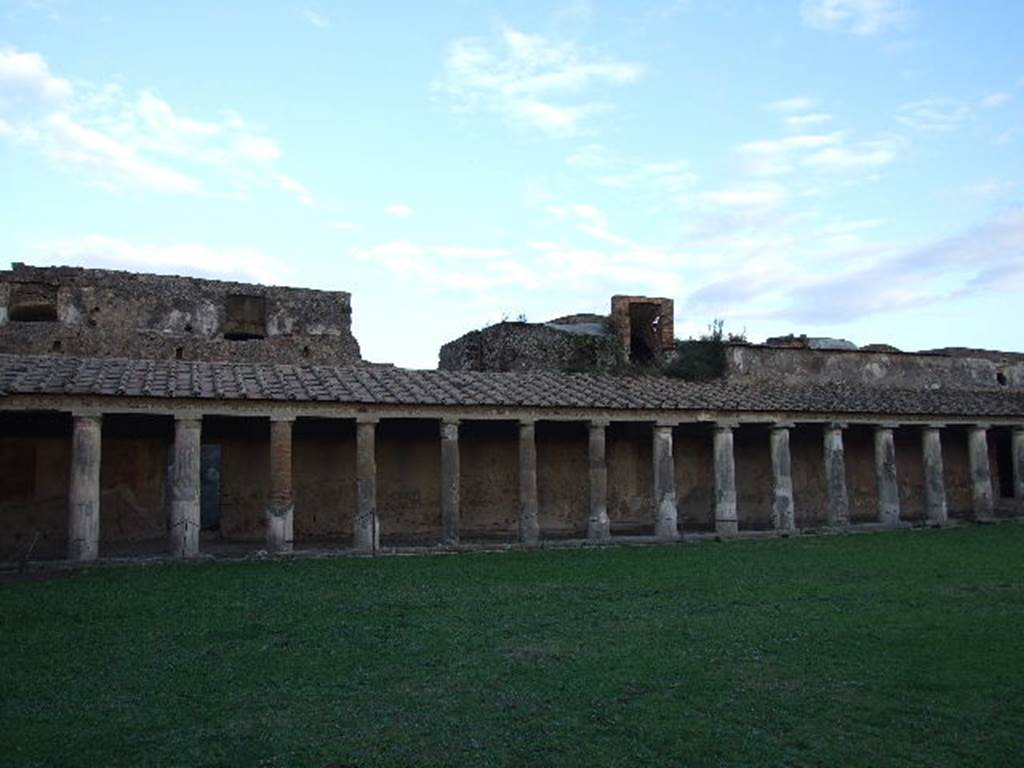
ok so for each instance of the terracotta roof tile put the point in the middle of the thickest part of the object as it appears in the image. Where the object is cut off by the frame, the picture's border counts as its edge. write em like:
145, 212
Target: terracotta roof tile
378, 385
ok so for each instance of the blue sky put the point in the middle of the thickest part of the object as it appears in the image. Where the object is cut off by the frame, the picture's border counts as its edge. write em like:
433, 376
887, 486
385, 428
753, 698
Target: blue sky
848, 168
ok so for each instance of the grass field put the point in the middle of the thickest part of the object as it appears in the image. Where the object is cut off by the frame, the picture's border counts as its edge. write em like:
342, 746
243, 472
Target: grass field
903, 648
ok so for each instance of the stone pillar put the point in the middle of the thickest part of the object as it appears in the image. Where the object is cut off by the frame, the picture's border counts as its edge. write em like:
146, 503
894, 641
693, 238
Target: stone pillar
726, 521
84, 490
598, 526
1017, 450
529, 524
280, 506
666, 517
783, 514
366, 533
185, 487
835, 477
885, 473
981, 472
934, 485
450, 481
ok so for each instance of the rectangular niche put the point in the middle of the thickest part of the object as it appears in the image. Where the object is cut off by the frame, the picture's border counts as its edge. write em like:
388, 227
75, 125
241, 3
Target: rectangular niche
33, 302
245, 317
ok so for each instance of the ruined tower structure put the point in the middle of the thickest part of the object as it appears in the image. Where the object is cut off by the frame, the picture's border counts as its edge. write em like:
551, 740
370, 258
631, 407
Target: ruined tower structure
637, 331
142, 414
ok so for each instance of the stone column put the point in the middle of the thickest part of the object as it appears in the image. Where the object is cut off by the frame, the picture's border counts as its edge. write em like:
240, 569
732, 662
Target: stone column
981, 472
280, 505
885, 473
783, 514
726, 521
666, 517
934, 485
529, 524
185, 487
835, 476
366, 534
1017, 449
84, 490
598, 526
450, 481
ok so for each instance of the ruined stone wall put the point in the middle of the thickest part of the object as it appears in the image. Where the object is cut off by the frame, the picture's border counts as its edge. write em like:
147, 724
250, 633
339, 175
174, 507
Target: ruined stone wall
906, 370
530, 347
88, 312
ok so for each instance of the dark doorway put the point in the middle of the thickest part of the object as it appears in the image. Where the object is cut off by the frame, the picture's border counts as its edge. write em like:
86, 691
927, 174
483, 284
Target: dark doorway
209, 499
644, 342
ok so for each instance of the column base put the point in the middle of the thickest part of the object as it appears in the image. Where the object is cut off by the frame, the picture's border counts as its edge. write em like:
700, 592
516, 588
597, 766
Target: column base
727, 527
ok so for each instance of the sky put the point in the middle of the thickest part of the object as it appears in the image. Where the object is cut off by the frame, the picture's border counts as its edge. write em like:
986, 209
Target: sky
846, 168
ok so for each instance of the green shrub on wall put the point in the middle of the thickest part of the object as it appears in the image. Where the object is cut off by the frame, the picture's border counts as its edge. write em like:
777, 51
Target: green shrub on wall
701, 359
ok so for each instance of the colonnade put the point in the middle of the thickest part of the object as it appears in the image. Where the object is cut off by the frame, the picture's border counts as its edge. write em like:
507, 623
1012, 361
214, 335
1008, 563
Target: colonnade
84, 489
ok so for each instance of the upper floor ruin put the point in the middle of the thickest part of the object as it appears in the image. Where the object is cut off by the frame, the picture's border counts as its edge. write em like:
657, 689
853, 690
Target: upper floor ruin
104, 313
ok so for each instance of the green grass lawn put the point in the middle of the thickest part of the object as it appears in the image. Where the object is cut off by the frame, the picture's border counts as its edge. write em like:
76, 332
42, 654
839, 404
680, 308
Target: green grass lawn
903, 648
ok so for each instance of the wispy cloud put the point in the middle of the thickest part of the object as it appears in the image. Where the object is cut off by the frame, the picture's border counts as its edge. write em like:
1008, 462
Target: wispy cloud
858, 17
118, 140
100, 251
997, 99
531, 80
934, 115
792, 104
807, 120
986, 258
746, 196
398, 210
315, 18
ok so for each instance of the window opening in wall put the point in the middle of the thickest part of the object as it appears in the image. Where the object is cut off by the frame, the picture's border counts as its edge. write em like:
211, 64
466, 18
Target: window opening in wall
33, 302
1001, 378
245, 317
1004, 463
179, 353
57, 346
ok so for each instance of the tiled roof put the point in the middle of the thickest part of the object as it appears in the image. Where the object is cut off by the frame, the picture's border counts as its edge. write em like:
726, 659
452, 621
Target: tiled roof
385, 385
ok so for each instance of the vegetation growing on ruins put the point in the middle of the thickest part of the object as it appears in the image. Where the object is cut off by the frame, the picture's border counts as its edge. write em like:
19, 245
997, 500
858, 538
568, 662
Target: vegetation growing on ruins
893, 649
704, 358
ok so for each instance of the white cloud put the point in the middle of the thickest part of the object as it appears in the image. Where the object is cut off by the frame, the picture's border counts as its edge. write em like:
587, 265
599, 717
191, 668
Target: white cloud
398, 210
933, 115
529, 79
344, 226
71, 144
868, 154
445, 266
633, 174
809, 119
119, 141
100, 251
316, 19
299, 190
746, 196
995, 100
793, 104
774, 157
29, 72
859, 17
